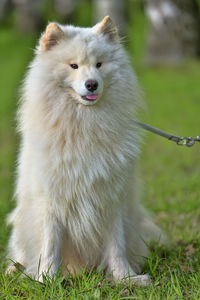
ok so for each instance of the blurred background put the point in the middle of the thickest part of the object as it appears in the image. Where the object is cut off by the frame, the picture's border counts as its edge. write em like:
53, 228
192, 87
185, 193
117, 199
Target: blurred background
162, 38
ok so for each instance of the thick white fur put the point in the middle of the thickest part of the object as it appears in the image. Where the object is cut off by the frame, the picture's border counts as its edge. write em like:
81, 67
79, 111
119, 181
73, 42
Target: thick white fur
76, 188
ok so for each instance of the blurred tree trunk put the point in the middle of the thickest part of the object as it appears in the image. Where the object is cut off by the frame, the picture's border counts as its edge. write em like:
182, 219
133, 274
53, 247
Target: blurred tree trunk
174, 31
2, 8
28, 17
65, 8
5, 6
116, 9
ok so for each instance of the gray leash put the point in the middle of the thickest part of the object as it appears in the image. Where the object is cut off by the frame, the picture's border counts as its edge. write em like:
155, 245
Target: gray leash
181, 141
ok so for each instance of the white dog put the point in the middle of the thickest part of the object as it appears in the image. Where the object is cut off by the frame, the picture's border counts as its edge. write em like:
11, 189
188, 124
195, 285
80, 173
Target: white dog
76, 189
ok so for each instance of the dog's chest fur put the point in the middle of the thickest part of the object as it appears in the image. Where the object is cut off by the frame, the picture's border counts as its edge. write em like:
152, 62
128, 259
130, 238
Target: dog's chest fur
82, 162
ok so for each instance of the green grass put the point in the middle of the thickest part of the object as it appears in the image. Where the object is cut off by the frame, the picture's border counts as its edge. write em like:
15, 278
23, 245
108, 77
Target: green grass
170, 177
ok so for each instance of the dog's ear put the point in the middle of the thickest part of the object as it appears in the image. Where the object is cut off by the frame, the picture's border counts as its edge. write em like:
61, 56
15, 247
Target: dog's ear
107, 27
51, 37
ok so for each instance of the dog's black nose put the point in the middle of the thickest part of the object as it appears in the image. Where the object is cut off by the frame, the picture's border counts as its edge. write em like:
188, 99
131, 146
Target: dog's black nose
91, 85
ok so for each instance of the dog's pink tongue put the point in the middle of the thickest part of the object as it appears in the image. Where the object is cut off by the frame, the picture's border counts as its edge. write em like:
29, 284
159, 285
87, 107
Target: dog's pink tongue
92, 97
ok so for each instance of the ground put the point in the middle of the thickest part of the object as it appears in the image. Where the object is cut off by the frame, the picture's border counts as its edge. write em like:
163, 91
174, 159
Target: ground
170, 179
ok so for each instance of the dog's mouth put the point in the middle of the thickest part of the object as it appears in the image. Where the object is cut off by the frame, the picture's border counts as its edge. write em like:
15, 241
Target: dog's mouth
87, 99
90, 98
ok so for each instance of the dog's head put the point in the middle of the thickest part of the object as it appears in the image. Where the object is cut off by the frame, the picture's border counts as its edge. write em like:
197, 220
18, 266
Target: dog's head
82, 61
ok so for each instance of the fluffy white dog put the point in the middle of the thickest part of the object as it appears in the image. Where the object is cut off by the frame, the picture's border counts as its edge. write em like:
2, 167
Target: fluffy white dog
76, 189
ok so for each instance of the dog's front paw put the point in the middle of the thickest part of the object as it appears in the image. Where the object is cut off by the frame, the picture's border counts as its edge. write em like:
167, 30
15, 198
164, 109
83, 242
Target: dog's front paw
14, 268
47, 271
141, 280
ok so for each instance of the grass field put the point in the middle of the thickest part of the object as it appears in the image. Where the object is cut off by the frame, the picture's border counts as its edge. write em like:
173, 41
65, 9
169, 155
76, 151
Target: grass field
170, 174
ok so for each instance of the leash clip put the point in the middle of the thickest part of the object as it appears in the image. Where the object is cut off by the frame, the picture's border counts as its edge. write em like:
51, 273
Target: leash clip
186, 141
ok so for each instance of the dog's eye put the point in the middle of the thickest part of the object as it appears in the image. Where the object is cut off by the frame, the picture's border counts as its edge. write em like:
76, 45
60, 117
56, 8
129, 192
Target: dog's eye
98, 65
74, 66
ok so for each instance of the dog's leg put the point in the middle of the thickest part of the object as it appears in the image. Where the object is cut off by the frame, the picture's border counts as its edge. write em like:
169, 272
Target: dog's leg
116, 258
16, 251
50, 259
